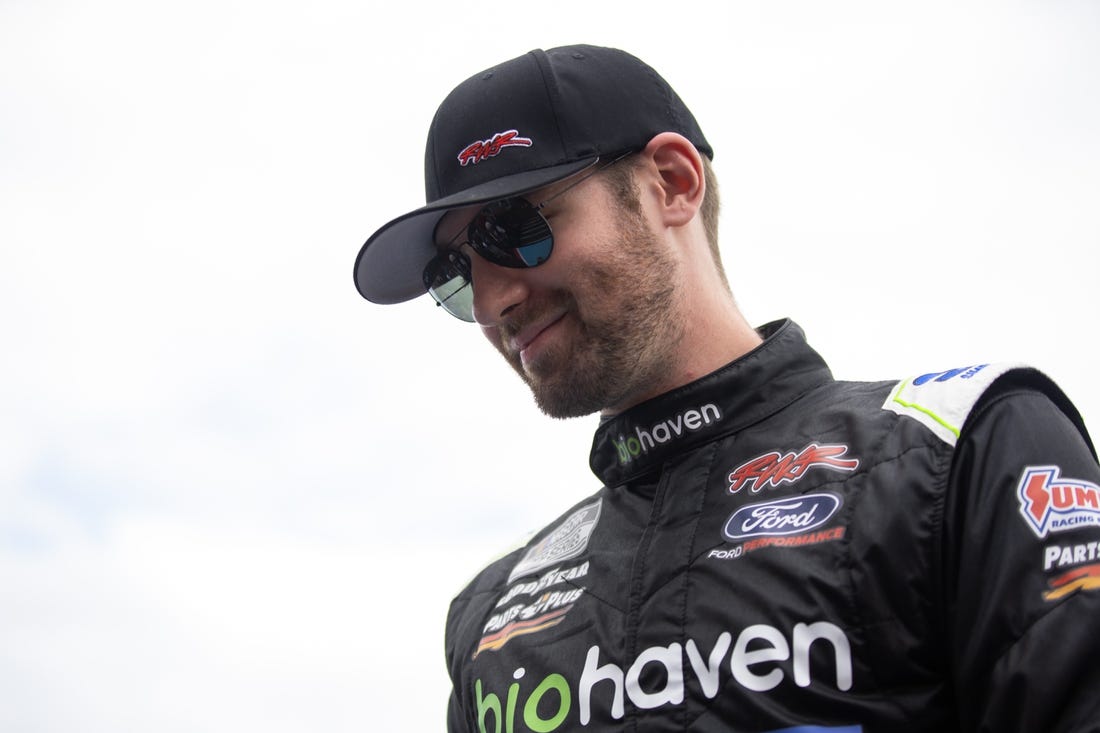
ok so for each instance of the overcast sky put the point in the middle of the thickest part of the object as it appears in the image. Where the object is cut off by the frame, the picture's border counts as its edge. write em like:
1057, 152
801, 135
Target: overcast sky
235, 496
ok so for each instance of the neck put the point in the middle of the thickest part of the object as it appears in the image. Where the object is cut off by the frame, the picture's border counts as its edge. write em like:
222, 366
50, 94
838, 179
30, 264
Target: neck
714, 334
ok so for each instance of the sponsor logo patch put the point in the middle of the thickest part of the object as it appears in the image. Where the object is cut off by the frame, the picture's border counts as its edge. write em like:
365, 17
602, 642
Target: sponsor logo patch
643, 441
1067, 556
795, 515
941, 401
813, 538
481, 150
773, 469
527, 608
1051, 503
759, 658
800, 540
967, 372
568, 540
1083, 578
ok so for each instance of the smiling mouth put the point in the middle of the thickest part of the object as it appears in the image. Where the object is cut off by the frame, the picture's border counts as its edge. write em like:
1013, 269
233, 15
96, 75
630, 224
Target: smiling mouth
529, 346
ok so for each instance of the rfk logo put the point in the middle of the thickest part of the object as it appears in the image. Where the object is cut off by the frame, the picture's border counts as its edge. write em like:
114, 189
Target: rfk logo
1051, 503
773, 469
482, 149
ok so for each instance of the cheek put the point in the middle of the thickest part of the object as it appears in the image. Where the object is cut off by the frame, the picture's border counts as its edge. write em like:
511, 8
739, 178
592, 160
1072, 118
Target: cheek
598, 274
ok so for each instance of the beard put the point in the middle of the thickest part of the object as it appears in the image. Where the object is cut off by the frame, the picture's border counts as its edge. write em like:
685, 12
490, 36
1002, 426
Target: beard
621, 334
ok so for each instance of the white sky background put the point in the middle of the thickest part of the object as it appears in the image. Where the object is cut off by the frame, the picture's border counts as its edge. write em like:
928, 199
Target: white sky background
235, 496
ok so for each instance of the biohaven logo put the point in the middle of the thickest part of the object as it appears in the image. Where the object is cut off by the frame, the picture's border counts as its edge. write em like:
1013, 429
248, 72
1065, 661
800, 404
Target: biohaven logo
760, 659
667, 430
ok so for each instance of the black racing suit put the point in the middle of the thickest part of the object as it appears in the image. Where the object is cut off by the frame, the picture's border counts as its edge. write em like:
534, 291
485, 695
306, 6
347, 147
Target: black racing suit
777, 550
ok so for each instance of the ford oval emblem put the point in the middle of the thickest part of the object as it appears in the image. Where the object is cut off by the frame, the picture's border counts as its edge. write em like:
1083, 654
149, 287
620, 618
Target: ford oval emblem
793, 515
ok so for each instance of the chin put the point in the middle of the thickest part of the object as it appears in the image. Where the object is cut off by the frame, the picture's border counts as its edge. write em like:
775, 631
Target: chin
568, 395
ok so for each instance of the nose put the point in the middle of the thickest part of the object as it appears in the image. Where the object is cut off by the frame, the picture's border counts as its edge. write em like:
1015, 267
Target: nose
497, 290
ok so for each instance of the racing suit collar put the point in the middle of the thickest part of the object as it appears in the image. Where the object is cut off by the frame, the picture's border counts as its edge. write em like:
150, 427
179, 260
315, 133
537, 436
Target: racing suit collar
746, 390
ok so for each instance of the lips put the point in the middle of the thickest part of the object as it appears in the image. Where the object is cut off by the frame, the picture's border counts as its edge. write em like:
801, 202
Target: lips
527, 340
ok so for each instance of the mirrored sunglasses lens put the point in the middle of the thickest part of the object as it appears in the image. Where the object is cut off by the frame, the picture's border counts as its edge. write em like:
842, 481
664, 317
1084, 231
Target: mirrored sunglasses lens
447, 279
457, 297
537, 253
511, 233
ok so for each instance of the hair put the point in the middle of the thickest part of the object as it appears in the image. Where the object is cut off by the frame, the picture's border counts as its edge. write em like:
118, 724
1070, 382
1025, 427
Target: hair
620, 179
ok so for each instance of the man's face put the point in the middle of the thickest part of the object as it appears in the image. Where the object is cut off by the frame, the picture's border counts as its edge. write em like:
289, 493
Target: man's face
592, 328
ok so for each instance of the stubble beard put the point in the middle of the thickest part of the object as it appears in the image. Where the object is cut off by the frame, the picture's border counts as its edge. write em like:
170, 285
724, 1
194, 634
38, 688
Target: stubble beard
621, 340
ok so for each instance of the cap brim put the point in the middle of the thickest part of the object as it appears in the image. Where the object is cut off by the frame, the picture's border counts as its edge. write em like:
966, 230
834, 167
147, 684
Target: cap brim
390, 264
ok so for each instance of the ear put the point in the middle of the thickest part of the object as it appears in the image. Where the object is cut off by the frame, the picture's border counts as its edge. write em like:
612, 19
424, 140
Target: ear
679, 169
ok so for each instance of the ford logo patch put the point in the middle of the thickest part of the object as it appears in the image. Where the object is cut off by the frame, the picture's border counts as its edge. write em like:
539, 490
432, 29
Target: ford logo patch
793, 515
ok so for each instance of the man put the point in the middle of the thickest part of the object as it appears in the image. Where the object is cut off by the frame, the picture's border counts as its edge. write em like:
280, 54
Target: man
772, 549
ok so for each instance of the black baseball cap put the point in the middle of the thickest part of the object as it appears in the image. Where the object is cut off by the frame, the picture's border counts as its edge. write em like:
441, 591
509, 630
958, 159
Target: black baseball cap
517, 127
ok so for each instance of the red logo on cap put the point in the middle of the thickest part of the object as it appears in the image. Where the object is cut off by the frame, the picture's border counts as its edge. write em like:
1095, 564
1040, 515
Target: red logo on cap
482, 149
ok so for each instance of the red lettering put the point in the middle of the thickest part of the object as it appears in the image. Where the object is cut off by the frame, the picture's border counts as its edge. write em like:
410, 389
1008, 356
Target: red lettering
773, 469
1061, 496
786, 468
1086, 496
749, 472
812, 538
482, 149
1036, 492
1051, 503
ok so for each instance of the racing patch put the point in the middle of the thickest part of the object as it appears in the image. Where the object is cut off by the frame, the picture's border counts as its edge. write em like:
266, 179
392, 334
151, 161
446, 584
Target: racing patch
796, 521
772, 469
530, 607
565, 542
941, 401
795, 515
801, 540
1067, 556
480, 150
1051, 503
1083, 578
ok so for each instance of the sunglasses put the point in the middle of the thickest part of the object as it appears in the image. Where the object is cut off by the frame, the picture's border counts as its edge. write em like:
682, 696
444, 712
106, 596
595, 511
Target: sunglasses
511, 232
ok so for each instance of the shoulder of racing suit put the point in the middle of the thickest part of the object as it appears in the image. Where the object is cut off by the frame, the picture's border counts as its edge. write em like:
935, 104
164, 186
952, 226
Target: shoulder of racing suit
942, 401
